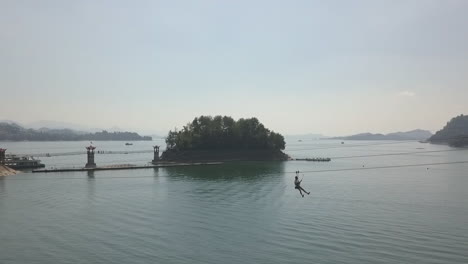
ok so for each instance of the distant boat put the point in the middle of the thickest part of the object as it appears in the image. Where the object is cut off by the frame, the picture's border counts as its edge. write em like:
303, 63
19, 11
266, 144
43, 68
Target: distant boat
300, 140
128, 144
342, 142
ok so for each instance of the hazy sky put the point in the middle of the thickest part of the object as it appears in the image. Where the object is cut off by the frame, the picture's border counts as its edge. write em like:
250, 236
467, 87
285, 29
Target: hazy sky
331, 67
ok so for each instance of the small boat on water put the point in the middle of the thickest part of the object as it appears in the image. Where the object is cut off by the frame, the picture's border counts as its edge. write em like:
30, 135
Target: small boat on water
128, 144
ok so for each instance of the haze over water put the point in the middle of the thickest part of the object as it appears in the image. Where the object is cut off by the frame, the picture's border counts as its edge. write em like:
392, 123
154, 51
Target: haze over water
245, 212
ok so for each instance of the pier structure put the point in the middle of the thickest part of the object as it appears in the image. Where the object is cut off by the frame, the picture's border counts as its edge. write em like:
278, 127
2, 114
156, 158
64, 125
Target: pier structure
90, 151
156, 154
2, 155
316, 159
130, 167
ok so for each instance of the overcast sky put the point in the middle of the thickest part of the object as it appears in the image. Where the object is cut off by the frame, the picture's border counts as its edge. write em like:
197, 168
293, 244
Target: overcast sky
331, 67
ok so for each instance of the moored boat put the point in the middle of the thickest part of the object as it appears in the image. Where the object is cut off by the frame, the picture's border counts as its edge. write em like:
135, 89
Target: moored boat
26, 162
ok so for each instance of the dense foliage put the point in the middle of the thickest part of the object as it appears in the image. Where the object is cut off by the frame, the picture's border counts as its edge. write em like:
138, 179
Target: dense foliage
223, 132
455, 133
13, 132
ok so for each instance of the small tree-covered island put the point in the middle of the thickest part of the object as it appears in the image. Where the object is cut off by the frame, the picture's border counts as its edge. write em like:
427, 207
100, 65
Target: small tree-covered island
221, 138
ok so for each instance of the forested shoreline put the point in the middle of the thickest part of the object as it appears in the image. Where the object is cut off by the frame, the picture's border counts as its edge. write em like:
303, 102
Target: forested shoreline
454, 133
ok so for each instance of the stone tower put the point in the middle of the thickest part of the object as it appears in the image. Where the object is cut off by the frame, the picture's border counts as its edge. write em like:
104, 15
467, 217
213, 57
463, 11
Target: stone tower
2, 155
156, 154
90, 152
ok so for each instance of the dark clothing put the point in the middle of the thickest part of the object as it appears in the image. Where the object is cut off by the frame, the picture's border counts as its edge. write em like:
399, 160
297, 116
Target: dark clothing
297, 182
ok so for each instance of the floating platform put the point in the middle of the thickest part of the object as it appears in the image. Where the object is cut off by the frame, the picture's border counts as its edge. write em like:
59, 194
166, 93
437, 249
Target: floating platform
128, 167
316, 159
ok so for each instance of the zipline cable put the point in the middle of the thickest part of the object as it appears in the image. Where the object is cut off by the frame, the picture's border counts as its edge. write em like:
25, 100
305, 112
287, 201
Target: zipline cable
106, 152
275, 173
353, 146
389, 166
110, 162
377, 144
399, 153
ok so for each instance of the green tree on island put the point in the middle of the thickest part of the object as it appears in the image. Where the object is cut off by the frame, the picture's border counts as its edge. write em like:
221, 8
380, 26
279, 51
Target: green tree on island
223, 132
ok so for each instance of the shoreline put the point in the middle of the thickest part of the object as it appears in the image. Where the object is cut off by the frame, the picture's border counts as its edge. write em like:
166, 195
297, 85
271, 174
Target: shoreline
7, 171
213, 155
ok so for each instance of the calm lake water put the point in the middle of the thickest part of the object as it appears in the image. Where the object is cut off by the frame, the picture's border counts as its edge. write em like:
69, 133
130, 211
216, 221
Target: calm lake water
245, 212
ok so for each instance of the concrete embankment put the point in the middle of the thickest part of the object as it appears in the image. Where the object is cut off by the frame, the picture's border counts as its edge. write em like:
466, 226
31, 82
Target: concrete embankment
6, 171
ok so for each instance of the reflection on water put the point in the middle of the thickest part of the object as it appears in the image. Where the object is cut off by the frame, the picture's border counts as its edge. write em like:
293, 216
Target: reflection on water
90, 174
91, 187
156, 172
2, 186
236, 171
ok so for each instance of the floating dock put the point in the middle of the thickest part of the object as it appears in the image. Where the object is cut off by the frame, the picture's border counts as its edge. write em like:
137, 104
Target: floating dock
127, 167
316, 159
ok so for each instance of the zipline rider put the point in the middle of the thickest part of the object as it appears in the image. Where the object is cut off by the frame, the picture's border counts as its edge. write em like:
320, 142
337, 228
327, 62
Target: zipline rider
297, 183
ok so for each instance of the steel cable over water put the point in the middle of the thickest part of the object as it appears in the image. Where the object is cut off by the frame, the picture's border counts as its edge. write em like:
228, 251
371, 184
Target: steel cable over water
110, 162
286, 172
105, 152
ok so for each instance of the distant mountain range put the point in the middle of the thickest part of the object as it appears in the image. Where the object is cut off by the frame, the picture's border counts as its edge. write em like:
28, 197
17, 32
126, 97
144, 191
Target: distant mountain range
60, 125
417, 134
82, 129
14, 132
455, 133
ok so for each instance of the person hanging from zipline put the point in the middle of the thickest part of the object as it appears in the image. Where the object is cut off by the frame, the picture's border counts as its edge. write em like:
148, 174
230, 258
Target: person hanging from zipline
297, 183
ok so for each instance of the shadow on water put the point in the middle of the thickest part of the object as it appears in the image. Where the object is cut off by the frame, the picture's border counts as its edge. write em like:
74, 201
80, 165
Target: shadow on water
242, 171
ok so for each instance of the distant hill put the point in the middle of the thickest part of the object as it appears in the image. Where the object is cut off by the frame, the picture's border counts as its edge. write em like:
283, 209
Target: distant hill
309, 136
454, 133
15, 132
59, 125
417, 134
